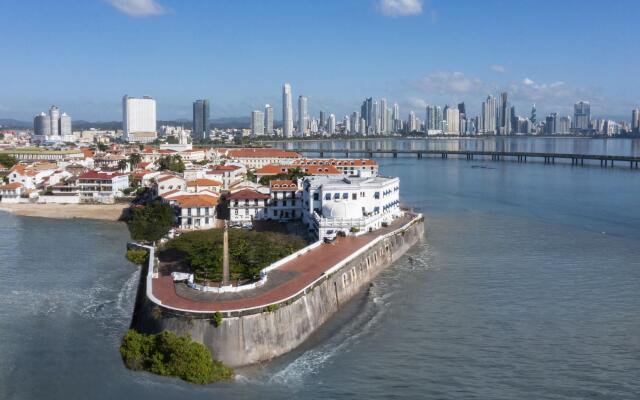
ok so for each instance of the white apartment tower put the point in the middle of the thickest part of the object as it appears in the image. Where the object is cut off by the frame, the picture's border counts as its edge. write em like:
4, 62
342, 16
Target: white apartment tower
139, 119
268, 119
257, 123
303, 116
287, 111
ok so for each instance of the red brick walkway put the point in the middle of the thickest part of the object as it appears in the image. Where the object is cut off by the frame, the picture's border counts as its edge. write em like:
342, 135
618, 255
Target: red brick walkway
307, 268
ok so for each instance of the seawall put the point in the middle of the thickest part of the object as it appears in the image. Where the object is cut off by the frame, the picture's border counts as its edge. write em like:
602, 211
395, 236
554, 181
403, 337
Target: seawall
251, 337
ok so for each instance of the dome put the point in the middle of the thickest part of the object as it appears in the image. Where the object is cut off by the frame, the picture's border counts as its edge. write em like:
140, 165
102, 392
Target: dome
341, 209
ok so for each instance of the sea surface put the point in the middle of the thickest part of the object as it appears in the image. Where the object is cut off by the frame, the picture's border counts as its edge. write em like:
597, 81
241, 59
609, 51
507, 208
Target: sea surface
527, 286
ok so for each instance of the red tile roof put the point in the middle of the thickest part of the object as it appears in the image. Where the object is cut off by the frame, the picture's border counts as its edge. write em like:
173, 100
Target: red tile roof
100, 175
261, 153
196, 200
248, 194
283, 185
10, 186
203, 182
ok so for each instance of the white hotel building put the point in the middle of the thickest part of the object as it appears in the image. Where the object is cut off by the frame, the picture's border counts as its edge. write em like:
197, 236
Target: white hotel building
139, 119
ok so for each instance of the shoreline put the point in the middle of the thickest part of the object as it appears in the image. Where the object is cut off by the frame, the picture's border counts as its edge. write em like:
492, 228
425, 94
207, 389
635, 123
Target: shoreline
104, 212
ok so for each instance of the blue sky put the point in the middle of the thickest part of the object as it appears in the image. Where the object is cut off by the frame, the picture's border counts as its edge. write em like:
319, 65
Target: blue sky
84, 55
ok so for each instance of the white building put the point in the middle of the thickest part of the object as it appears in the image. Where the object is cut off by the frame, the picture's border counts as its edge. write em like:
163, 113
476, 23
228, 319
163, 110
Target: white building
349, 205
287, 111
195, 211
139, 119
101, 186
303, 116
268, 120
246, 205
10, 193
257, 123
453, 121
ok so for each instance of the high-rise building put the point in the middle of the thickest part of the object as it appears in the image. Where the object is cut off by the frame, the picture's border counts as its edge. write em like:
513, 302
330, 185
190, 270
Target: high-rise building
42, 125
383, 116
581, 116
268, 119
635, 120
367, 113
287, 111
346, 124
355, 122
65, 125
504, 115
200, 124
302, 115
551, 124
257, 123
331, 129
412, 122
564, 125
489, 111
139, 119
54, 120
452, 116
322, 123
395, 116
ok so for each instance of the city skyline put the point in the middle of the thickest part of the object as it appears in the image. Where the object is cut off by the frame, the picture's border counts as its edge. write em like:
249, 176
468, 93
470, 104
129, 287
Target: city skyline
468, 67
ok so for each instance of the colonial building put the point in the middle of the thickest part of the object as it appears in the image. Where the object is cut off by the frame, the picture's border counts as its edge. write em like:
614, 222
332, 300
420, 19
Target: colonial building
285, 201
200, 184
10, 193
168, 182
258, 158
101, 186
195, 211
246, 205
276, 169
349, 167
352, 205
229, 175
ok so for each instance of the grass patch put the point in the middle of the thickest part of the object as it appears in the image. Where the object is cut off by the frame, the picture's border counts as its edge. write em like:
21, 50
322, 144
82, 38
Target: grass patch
138, 257
249, 252
168, 354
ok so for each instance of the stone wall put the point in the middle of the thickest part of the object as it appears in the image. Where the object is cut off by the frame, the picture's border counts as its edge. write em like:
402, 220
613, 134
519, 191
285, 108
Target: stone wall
257, 337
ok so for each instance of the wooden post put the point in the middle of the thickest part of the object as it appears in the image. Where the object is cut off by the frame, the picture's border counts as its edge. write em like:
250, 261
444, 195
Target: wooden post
225, 255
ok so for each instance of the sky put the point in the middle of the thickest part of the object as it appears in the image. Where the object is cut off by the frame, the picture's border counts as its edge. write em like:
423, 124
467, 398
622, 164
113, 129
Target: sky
84, 55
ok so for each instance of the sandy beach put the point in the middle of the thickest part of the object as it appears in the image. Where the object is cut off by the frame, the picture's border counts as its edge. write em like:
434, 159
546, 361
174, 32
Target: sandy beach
109, 212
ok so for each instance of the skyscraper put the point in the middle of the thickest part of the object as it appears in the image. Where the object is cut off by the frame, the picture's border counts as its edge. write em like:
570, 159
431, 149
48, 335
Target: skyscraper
287, 111
581, 116
139, 119
395, 116
412, 122
504, 115
54, 120
489, 115
331, 124
430, 122
366, 112
453, 120
383, 116
257, 123
268, 119
65, 125
200, 125
42, 125
355, 122
635, 120
302, 115
323, 121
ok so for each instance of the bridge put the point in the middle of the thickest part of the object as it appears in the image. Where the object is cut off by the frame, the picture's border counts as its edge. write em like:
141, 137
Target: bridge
521, 157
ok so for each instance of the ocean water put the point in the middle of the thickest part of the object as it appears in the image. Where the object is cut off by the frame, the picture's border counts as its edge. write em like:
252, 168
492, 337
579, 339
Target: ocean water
527, 286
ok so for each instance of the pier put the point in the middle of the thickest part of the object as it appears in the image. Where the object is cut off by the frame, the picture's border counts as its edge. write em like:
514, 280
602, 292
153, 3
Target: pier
606, 161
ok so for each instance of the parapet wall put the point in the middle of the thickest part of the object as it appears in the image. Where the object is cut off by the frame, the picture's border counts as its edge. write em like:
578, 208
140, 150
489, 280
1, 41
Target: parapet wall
255, 337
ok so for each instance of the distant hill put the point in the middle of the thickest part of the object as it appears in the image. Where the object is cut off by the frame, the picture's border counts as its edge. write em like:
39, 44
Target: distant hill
14, 123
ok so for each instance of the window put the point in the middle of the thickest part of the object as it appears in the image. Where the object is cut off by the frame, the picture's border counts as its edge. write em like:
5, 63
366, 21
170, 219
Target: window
293, 203
354, 196
327, 196
376, 195
316, 196
336, 196
345, 196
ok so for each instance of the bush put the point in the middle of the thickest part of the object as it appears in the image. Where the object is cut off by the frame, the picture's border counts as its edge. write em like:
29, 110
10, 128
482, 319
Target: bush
150, 223
272, 307
170, 355
138, 257
249, 251
217, 318
354, 229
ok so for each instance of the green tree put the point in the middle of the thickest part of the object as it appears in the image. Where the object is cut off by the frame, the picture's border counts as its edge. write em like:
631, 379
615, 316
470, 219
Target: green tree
151, 222
138, 257
102, 147
122, 165
172, 163
134, 159
8, 160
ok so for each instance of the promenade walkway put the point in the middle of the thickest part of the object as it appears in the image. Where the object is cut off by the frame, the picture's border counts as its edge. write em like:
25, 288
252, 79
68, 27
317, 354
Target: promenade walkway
283, 282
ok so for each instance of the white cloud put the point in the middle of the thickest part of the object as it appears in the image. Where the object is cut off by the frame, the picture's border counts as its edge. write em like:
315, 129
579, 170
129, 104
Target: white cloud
444, 82
498, 68
138, 8
400, 8
417, 102
527, 81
